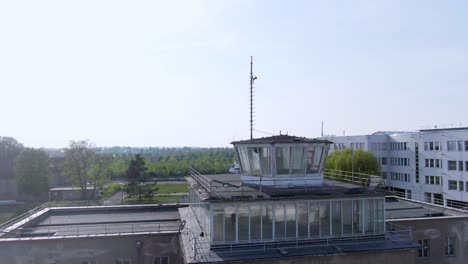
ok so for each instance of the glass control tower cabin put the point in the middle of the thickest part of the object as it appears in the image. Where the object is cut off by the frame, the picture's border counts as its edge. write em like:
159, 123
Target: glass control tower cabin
282, 161
280, 197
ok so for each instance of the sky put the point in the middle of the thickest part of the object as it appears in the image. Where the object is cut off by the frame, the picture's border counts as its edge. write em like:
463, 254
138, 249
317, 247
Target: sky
176, 73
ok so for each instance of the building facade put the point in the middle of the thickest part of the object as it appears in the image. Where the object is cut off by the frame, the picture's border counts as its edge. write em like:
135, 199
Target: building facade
428, 165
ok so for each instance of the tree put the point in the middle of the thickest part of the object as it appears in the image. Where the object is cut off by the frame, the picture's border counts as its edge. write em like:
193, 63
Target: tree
100, 171
32, 172
346, 160
9, 150
136, 174
77, 164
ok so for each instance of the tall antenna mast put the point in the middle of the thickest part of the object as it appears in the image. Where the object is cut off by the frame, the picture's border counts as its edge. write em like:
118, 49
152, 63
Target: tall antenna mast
252, 79
322, 129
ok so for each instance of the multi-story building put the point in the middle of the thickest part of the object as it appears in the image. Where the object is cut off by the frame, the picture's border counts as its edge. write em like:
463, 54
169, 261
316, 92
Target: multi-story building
429, 165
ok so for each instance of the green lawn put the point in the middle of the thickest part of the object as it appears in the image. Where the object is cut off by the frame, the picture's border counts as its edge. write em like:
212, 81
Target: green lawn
171, 188
154, 200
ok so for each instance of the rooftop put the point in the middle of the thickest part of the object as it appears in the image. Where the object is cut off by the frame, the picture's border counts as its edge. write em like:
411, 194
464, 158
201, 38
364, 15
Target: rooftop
230, 187
281, 139
400, 208
96, 220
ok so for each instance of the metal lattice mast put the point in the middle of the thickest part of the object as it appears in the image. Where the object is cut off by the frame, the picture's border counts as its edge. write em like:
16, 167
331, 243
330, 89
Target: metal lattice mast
252, 79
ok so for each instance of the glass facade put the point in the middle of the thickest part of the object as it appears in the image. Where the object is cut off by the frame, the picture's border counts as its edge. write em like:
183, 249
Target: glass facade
290, 159
276, 221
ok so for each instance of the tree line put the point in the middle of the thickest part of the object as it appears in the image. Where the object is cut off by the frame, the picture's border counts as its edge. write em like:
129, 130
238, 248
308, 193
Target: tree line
84, 165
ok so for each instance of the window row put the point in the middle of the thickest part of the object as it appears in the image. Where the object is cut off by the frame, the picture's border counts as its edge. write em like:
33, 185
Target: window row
433, 180
399, 146
397, 176
399, 161
432, 145
289, 160
338, 146
449, 248
290, 221
453, 165
357, 145
433, 163
458, 185
378, 146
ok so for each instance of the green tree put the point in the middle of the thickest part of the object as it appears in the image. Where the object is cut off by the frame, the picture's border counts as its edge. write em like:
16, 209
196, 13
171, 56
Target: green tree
9, 150
346, 160
100, 171
136, 175
32, 172
78, 162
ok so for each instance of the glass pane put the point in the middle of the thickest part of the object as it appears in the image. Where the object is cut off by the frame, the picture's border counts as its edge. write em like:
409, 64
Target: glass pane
243, 224
324, 218
244, 159
380, 216
267, 222
230, 223
302, 220
254, 159
290, 220
282, 160
314, 156
314, 219
255, 222
298, 162
265, 161
218, 223
347, 217
279, 221
357, 217
369, 216
336, 218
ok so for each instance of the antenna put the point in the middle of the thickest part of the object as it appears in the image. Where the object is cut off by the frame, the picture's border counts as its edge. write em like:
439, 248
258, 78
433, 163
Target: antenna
252, 79
322, 129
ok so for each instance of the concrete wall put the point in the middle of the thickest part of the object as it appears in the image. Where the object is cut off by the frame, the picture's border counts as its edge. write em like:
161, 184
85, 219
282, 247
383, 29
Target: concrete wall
436, 231
382, 257
96, 250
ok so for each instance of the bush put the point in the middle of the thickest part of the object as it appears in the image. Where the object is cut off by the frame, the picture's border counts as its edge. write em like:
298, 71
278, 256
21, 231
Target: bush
112, 189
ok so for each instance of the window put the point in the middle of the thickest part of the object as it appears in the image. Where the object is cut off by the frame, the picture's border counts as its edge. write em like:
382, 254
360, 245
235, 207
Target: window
452, 185
466, 145
466, 165
437, 146
460, 165
424, 251
450, 246
384, 162
460, 185
451, 145
460, 145
161, 260
433, 180
452, 165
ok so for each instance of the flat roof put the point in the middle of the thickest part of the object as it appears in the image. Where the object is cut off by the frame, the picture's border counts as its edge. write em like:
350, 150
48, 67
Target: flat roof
281, 139
400, 208
76, 221
229, 187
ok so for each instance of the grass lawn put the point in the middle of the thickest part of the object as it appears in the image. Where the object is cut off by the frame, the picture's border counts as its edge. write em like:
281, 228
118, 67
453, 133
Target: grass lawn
171, 188
154, 200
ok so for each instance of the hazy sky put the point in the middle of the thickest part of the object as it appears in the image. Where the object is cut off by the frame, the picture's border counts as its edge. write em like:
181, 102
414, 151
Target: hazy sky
176, 73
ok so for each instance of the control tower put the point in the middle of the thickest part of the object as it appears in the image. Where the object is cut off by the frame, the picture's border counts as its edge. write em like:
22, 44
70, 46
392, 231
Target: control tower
282, 161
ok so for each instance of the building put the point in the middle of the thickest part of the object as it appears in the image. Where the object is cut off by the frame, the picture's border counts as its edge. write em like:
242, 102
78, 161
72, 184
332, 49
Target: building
93, 235
429, 165
442, 232
280, 209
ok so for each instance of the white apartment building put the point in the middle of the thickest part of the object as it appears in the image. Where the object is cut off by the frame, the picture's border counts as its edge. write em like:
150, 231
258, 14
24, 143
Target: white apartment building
429, 165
